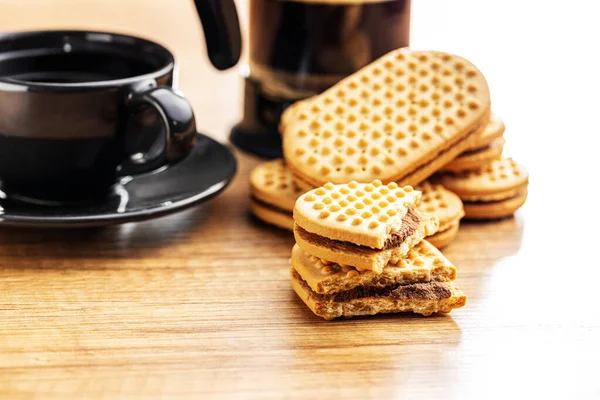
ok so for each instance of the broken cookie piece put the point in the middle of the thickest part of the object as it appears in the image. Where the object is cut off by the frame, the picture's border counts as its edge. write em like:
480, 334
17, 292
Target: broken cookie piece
420, 283
363, 225
360, 251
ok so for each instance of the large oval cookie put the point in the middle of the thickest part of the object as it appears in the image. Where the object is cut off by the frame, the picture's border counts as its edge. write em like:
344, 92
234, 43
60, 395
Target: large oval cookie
394, 120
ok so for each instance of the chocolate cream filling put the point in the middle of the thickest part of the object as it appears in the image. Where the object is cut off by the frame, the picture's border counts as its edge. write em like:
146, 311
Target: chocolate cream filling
410, 224
271, 206
414, 291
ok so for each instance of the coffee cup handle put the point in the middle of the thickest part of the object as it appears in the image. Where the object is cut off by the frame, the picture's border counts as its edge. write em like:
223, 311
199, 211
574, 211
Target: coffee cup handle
179, 131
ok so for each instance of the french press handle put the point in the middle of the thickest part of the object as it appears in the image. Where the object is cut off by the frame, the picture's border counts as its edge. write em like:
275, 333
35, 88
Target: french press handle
221, 31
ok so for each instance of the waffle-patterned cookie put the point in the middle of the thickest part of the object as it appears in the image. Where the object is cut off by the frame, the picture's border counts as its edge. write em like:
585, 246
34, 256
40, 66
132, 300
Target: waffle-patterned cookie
493, 191
397, 120
443, 238
274, 193
423, 263
442, 203
475, 159
359, 213
498, 180
415, 227
363, 225
420, 283
305, 186
446, 207
493, 130
495, 209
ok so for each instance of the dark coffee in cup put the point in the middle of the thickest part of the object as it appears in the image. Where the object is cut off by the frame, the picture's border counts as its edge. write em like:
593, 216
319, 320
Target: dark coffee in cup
298, 48
79, 109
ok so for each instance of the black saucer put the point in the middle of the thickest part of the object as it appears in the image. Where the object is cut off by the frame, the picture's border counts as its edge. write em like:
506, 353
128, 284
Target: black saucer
206, 171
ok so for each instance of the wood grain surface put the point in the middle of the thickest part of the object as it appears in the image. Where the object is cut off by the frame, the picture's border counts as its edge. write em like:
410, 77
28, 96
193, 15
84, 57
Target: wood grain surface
199, 305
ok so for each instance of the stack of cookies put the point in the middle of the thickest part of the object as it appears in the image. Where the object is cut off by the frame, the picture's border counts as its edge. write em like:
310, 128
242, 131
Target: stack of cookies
408, 117
484, 148
490, 186
403, 118
360, 251
494, 190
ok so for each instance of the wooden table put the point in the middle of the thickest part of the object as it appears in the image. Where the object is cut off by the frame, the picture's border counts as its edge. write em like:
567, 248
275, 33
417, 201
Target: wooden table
199, 305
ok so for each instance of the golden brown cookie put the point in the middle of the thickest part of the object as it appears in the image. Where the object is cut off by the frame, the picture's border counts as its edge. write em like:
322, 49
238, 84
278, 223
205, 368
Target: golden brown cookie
475, 159
446, 207
360, 213
414, 228
273, 193
442, 203
305, 186
358, 224
419, 298
364, 294
493, 130
443, 238
498, 180
399, 119
423, 263
272, 215
494, 191
495, 209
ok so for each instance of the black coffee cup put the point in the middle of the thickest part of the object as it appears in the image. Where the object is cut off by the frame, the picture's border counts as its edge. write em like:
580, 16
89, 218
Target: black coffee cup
79, 109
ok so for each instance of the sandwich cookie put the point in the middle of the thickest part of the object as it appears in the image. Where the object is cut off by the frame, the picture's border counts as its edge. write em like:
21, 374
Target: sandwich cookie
362, 225
477, 158
493, 130
446, 207
273, 193
496, 190
421, 283
399, 119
